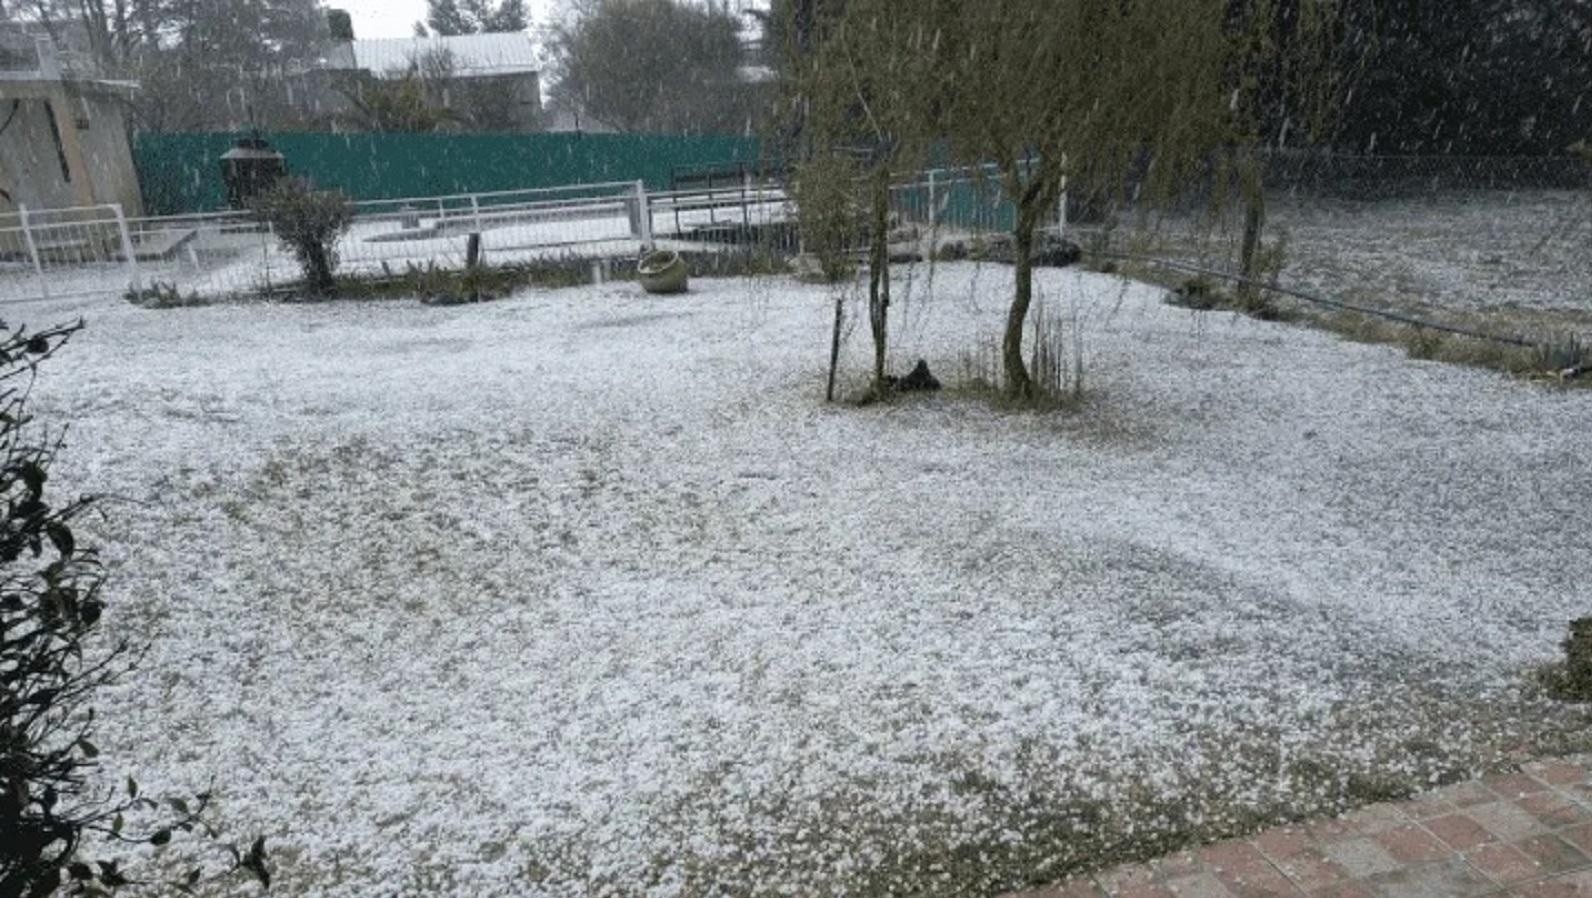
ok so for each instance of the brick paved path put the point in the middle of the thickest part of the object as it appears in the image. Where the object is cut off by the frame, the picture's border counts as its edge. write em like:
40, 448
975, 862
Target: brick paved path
1522, 835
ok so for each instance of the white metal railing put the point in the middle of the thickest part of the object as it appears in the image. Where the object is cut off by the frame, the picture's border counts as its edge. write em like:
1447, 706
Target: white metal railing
94, 250
59, 253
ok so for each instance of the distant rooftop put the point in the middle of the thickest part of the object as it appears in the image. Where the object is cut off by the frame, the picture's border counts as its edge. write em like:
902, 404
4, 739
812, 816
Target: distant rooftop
30, 61
473, 54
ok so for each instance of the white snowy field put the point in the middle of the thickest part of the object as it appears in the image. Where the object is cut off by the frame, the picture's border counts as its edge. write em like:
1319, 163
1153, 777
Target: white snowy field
1507, 260
589, 593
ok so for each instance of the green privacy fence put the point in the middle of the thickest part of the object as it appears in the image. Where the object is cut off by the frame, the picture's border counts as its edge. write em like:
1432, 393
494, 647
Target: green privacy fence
181, 173
957, 199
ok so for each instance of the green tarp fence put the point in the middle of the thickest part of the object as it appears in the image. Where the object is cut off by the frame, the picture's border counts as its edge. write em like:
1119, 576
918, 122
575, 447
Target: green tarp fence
181, 173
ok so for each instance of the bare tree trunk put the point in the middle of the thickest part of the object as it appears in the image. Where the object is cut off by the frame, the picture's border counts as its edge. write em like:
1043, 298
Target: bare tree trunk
321, 280
834, 347
1018, 383
879, 278
1254, 222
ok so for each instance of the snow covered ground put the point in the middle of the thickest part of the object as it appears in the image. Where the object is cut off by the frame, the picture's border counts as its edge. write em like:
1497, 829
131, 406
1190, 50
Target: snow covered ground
1511, 259
588, 593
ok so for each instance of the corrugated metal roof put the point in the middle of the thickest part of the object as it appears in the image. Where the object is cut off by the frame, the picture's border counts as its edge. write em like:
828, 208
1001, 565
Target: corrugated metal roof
473, 54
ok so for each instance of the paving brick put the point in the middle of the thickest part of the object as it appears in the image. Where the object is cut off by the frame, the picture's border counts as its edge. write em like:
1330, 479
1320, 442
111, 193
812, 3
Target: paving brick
1449, 879
1377, 818
1520, 835
1330, 830
1310, 870
1078, 887
1550, 888
1245, 872
1572, 886
1261, 884
1183, 863
1580, 837
1345, 890
1283, 842
1504, 864
1361, 857
1459, 831
1554, 810
1428, 806
1514, 785
1118, 880
1553, 854
1145, 890
1558, 773
1506, 820
1463, 795
1413, 845
1581, 792
1232, 855
1199, 885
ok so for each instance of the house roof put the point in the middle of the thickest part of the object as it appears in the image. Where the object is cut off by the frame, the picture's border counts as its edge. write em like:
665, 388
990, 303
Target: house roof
473, 54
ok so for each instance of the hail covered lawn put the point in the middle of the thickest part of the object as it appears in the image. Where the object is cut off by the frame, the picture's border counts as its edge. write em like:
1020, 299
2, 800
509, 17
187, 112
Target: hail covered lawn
1505, 261
588, 593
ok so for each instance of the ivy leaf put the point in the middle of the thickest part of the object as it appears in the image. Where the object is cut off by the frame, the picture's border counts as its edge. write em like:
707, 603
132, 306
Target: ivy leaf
161, 837
255, 863
61, 536
132, 788
34, 477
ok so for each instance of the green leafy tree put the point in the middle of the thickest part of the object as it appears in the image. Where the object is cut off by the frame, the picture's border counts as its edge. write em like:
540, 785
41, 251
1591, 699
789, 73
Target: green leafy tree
659, 66
867, 94
309, 222
453, 17
1102, 97
340, 24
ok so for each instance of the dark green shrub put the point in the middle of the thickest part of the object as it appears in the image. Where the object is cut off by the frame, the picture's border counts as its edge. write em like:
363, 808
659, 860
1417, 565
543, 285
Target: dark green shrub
1572, 680
308, 222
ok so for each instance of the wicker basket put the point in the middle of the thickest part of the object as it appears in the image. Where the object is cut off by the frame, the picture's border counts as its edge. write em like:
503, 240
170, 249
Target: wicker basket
662, 272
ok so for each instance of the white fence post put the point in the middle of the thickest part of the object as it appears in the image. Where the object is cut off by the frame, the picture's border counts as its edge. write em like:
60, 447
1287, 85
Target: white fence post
33, 251
475, 211
127, 249
644, 214
934, 210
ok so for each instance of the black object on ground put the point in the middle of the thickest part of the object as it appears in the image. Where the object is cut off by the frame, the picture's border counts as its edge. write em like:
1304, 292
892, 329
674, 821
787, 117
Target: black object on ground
918, 380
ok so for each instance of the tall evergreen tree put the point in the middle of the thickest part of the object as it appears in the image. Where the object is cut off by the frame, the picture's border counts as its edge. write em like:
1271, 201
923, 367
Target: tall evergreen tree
452, 17
661, 66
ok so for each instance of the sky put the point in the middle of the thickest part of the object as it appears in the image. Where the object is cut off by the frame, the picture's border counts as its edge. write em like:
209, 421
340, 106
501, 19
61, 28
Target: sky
397, 18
